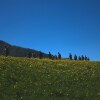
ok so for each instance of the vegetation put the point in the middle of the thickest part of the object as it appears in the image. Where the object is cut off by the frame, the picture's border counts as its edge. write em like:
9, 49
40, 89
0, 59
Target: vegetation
45, 79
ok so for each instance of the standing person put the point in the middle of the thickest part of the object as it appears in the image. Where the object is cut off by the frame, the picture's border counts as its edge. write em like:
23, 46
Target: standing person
88, 59
85, 57
50, 56
75, 57
82, 57
56, 57
6, 51
70, 56
59, 56
79, 58
53, 57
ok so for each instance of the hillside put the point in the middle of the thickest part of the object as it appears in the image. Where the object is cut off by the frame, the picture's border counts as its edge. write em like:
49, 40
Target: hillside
44, 79
18, 51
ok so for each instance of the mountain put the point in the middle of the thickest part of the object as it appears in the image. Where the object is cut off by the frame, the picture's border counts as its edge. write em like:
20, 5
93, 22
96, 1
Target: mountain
18, 51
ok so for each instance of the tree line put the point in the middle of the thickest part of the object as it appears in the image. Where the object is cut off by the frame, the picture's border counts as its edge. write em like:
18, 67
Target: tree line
50, 56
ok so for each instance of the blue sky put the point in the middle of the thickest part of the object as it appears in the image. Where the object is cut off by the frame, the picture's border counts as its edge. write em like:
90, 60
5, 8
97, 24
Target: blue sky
52, 25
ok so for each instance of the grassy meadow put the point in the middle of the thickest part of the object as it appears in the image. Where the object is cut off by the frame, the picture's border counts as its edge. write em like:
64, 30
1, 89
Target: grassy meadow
44, 79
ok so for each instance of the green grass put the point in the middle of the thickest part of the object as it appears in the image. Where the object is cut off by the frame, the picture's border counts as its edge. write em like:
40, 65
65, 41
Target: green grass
44, 79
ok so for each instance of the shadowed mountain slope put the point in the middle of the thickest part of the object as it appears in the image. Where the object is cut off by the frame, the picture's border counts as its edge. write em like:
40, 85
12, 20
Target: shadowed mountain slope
18, 51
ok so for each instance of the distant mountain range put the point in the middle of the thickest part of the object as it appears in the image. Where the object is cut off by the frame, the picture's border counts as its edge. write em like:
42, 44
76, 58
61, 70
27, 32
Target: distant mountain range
18, 51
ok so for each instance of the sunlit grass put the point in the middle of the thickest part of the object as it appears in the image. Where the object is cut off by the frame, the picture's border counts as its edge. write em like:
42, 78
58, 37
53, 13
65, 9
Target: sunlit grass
44, 79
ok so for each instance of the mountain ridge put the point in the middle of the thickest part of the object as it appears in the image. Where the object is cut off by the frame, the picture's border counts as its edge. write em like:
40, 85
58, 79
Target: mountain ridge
19, 51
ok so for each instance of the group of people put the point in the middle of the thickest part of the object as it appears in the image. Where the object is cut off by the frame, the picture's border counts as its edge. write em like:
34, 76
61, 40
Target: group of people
50, 56
79, 57
54, 57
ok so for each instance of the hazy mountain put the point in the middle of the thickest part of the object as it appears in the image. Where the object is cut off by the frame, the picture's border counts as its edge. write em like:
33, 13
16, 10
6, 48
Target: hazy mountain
18, 51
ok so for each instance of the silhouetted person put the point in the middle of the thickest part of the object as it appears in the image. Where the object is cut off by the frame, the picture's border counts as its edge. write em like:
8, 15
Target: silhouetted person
53, 57
75, 57
6, 51
40, 55
70, 56
79, 58
82, 57
85, 57
88, 59
50, 56
29, 54
59, 56
56, 57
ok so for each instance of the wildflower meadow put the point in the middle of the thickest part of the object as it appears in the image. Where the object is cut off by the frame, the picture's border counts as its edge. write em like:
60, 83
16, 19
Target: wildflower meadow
44, 79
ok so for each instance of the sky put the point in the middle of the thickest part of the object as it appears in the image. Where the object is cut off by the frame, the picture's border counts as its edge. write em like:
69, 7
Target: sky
65, 26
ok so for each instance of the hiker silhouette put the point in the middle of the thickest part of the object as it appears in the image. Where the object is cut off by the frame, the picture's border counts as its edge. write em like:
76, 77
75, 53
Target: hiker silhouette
59, 56
50, 56
75, 57
70, 56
